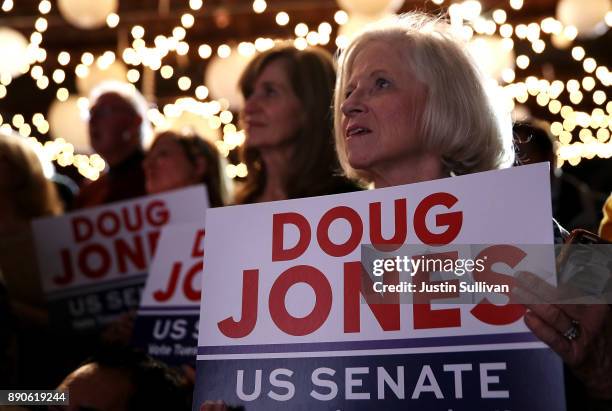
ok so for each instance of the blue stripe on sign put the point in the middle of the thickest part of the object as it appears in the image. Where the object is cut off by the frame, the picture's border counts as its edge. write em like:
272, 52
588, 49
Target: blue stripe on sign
97, 286
195, 308
371, 345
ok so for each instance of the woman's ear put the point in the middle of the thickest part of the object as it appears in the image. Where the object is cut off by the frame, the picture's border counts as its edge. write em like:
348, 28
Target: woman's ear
201, 168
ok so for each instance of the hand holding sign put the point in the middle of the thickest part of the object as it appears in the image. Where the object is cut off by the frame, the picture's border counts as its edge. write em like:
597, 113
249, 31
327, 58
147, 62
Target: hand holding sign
587, 350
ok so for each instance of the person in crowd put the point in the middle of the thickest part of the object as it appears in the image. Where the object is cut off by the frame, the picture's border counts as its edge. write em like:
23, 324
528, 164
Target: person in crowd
289, 149
117, 128
178, 160
410, 106
605, 227
175, 160
25, 194
574, 204
8, 340
122, 379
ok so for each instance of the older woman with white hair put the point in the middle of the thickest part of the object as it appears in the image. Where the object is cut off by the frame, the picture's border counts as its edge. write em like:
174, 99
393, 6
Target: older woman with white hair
411, 106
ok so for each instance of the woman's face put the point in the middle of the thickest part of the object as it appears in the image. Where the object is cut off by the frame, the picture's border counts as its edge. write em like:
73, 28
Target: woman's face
382, 110
167, 167
272, 114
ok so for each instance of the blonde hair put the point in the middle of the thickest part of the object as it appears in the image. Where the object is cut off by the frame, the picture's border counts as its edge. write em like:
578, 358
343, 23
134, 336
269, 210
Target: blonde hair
460, 121
33, 194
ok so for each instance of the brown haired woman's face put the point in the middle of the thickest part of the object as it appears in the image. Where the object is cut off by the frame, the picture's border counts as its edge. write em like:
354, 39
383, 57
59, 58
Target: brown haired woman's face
167, 167
272, 114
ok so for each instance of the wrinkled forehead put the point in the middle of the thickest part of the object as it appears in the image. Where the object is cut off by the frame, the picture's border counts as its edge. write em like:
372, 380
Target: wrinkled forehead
112, 100
376, 54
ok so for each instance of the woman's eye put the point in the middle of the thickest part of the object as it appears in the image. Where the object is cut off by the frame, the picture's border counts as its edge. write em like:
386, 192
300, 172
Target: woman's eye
270, 92
382, 83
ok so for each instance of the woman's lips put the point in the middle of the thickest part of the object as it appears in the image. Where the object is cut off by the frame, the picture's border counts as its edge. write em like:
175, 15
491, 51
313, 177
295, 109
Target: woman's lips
356, 130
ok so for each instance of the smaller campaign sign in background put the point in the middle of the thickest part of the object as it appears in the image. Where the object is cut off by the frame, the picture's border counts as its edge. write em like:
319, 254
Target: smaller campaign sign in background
167, 322
94, 262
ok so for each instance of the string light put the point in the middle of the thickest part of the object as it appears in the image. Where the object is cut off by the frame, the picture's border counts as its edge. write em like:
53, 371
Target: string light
341, 17
259, 6
282, 18
112, 20
195, 4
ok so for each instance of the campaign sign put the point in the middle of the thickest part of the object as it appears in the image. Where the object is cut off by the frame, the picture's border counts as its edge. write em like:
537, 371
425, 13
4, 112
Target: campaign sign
94, 262
167, 322
284, 323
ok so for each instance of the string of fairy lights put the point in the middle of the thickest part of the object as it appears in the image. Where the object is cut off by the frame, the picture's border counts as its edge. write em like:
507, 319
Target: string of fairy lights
467, 18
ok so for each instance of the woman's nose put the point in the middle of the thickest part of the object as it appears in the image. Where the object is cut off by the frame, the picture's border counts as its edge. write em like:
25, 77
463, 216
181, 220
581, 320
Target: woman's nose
251, 104
353, 104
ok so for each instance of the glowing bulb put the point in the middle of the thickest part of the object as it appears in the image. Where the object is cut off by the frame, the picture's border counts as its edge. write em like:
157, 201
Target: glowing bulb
300, 43
301, 30
554, 107
195, 4
59, 75
259, 6
538, 46
224, 51
182, 48
138, 32
499, 16
599, 97
341, 17
589, 65
282, 18
576, 97
521, 31
7, 5
522, 61
44, 7
179, 33
508, 75
81, 70
18, 120
36, 72
588, 83
516, 4
578, 53
41, 24
505, 30
187, 20
201, 92
63, 58
167, 72
112, 20
312, 38
205, 51
62, 94
87, 58
184, 83
133, 75
226, 116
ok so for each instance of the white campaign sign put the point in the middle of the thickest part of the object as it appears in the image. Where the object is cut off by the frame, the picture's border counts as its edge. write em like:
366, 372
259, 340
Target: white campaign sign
93, 261
168, 316
281, 296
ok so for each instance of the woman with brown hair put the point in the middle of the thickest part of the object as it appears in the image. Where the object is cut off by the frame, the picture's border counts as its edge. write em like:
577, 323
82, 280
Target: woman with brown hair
289, 148
25, 194
178, 160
